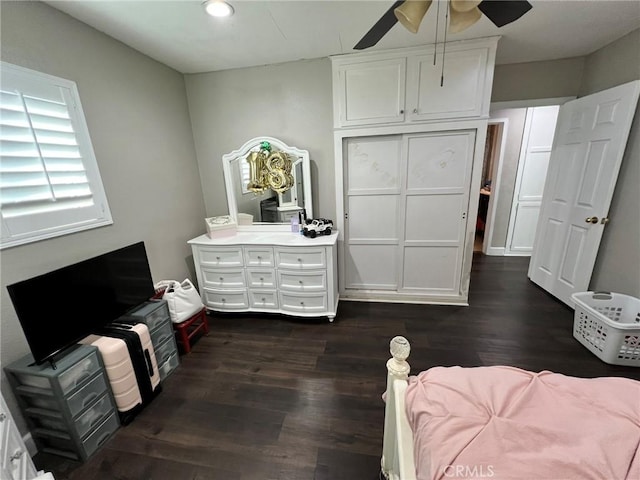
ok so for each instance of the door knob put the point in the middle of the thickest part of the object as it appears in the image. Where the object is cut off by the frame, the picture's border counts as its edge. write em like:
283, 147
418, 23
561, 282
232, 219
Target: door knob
592, 220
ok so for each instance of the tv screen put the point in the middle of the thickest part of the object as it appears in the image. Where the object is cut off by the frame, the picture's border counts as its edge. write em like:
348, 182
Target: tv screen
59, 308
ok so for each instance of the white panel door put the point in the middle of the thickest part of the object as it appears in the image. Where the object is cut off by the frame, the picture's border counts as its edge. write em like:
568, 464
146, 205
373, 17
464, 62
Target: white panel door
590, 138
458, 94
436, 199
372, 92
537, 140
372, 194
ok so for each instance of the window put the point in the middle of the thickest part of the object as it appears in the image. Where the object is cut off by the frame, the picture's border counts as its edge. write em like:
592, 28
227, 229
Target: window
49, 179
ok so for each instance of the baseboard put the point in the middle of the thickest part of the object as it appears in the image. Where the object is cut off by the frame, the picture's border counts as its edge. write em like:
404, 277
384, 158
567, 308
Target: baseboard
495, 251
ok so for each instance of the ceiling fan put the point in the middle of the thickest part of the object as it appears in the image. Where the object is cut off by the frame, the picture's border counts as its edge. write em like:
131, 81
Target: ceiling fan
462, 14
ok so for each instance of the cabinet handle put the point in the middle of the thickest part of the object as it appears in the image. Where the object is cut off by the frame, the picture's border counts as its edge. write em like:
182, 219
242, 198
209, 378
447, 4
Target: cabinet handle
401, 112
415, 110
88, 399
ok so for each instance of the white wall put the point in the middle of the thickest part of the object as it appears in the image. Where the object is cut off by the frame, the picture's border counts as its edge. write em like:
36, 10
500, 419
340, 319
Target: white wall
289, 101
136, 110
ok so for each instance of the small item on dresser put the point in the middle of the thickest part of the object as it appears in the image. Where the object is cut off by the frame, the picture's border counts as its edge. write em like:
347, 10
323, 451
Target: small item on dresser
317, 226
221, 226
245, 219
182, 298
295, 224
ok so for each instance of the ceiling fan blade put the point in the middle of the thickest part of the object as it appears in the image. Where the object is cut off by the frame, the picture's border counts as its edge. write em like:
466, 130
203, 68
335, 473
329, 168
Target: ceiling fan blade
502, 12
379, 29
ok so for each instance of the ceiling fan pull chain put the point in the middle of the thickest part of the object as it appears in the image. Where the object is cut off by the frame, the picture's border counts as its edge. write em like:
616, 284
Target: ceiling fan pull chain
444, 45
435, 48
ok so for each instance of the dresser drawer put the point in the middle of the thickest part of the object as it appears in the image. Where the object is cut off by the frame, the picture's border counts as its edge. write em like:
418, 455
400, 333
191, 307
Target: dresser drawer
258, 257
101, 434
263, 299
261, 278
220, 256
222, 278
302, 281
300, 258
161, 335
307, 303
229, 300
83, 398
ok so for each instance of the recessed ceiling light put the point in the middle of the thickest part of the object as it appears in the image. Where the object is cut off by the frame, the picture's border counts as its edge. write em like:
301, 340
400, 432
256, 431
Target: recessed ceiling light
218, 8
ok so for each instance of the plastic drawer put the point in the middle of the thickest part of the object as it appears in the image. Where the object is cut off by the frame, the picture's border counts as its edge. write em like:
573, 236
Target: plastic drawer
93, 416
165, 350
101, 435
79, 373
83, 398
161, 335
153, 314
169, 366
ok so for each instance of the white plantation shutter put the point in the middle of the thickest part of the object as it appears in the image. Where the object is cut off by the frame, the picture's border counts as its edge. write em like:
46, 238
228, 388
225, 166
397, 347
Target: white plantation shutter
49, 180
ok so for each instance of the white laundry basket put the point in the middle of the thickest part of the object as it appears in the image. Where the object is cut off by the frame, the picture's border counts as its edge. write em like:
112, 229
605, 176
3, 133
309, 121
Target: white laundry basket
608, 324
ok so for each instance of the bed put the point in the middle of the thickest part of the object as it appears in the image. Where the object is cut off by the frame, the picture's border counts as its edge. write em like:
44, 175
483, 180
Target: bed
504, 422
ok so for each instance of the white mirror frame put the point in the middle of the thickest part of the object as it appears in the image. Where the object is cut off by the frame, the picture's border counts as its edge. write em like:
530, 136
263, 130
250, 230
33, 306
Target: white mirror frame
241, 154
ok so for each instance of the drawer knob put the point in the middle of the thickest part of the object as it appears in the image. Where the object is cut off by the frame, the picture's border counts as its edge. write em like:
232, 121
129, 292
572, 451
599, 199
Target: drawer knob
217, 258
221, 279
300, 282
262, 279
264, 299
224, 300
301, 303
299, 259
259, 257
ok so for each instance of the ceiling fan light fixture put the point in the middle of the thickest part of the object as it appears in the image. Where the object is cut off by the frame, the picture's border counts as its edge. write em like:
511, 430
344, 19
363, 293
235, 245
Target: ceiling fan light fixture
411, 13
218, 8
460, 21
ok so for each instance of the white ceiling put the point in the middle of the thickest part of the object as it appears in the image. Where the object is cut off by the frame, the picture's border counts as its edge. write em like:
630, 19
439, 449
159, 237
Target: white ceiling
179, 34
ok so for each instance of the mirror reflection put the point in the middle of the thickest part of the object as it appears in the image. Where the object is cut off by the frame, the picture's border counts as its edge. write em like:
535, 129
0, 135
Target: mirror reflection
267, 206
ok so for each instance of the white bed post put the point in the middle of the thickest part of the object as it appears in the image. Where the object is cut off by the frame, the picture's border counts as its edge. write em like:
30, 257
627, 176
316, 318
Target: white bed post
397, 369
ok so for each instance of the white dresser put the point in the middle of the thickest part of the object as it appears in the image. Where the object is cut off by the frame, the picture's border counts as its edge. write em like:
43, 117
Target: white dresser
276, 272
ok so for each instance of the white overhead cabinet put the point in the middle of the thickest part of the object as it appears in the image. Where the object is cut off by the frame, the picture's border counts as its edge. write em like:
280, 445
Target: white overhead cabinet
369, 89
407, 162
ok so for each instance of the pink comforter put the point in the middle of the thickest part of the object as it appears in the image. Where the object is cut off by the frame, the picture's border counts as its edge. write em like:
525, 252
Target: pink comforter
507, 423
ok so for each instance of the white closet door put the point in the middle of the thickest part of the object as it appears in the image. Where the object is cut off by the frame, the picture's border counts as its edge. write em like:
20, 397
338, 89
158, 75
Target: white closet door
436, 199
372, 200
539, 130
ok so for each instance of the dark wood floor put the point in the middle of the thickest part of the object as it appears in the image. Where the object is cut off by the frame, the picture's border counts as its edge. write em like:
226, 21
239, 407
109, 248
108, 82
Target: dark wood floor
268, 397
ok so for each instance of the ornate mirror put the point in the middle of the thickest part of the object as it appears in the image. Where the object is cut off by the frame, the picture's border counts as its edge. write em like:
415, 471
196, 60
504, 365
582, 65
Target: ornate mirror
268, 180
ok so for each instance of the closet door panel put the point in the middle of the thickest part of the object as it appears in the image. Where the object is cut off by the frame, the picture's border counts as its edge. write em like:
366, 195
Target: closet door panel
439, 162
372, 218
432, 269
373, 164
434, 219
371, 267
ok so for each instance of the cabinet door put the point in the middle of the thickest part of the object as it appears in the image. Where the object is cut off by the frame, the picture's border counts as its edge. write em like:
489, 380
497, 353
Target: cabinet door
463, 90
370, 93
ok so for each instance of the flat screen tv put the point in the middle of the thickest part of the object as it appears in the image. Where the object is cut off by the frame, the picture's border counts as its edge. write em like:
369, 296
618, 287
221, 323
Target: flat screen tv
59, 308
